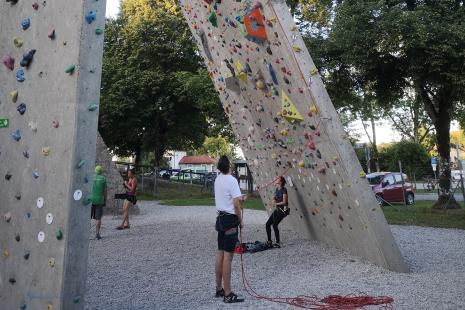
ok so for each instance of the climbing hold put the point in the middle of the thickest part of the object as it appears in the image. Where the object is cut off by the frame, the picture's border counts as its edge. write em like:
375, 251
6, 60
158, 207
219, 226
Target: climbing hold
81, 163
91, 16
20, 77
26, 23
27, 58
18, 42
26, 256
288, 109
318, 154
18, 238
40, 202
26, 154
255, 26
52, 34
297, 49
49, 218
22, 306
70, 69
18, 196
46, 151
7, 176
49, 307
4, 122
51, 262
313, 109
76, 299
92, 107
35, 174
12, 1
362, 174
272, 74
21, 108
212, 18
35, 6
12, 280
9, 62
16, 135
41, 236
59, 234
14, 96
33, 126
55, 124
7, 217
77, 195
314, 71
334, 192
5, 253
98, 31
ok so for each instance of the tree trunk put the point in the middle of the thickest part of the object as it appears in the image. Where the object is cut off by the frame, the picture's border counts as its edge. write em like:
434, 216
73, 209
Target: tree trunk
374, 145
138, 158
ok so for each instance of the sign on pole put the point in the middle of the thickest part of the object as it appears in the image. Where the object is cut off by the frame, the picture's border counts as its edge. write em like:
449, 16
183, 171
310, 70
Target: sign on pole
434, 163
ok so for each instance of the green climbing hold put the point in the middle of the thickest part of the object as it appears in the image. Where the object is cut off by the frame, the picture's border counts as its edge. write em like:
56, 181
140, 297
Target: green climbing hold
81, 163
70, 69
98, 31
92, 107
76, 299
4, 122
213, 19
59, 234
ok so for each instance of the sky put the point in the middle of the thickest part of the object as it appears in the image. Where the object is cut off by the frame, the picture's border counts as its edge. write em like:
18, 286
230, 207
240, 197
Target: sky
112, 8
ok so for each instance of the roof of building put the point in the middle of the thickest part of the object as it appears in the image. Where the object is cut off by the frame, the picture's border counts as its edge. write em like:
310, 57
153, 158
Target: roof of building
202, 159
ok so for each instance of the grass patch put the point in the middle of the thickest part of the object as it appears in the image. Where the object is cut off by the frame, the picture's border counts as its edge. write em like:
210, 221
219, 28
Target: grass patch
421, 214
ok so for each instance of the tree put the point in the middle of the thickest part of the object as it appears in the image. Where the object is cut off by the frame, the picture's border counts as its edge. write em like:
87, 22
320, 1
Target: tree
155, 93
216, 147
380, 48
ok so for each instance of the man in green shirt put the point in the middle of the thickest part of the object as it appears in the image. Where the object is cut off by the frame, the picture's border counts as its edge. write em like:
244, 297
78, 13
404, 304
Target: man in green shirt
99, 199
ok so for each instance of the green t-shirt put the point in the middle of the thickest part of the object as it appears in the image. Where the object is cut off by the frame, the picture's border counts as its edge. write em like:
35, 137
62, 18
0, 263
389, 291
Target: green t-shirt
98, 189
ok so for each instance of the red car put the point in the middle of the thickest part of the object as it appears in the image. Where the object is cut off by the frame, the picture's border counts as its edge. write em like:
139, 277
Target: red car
387, 187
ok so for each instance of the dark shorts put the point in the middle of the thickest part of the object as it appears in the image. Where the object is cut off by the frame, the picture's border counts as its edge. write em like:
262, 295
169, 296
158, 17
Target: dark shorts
131, 198
228, 232
96, 213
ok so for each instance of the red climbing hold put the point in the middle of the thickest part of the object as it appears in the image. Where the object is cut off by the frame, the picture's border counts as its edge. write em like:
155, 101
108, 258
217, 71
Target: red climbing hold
9, 62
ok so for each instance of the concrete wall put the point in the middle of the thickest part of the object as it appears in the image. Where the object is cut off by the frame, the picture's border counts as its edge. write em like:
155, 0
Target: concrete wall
329, 201
54, 159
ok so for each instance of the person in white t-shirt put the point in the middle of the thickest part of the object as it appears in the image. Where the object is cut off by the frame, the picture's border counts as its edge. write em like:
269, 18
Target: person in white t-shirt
228, 199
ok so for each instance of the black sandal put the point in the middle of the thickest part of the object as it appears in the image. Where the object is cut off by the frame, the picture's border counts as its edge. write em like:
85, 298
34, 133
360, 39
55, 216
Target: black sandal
120, 228
219, 293
232, 298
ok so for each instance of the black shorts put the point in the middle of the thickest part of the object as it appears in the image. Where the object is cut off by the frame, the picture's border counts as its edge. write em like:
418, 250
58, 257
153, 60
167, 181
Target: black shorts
228, 232
96, 213
131, 198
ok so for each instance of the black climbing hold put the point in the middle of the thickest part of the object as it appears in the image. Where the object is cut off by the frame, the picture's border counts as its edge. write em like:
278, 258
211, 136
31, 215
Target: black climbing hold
318, 154
27, 58
12, 1
7, 176
17, 238
12, 280
21, 108
26, 256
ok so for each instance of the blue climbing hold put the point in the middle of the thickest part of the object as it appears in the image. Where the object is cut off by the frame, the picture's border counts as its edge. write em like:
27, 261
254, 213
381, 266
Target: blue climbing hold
35, 174
22, 306
21, 108
273, 74
20, 76
86, 180
26, 23
91, 16
16, 135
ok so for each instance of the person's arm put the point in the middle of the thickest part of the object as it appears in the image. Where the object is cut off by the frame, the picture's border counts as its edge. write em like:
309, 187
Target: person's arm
131, 186
238, 210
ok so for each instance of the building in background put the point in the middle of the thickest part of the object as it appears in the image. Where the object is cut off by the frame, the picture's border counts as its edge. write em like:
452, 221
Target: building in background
174, 157
202, 163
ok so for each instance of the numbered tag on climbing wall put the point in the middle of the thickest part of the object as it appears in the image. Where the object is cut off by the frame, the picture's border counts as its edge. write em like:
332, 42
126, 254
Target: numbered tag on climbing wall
289, 181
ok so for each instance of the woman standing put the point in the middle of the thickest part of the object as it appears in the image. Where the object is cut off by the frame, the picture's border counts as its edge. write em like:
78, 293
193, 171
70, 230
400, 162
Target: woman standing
280, 212
131, 187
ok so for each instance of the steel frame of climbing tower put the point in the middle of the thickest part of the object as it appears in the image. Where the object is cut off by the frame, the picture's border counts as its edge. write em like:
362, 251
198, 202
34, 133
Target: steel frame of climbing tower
286, 124
47, 152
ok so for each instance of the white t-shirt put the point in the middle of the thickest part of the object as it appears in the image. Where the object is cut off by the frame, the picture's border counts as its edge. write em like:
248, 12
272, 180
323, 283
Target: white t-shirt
226, 189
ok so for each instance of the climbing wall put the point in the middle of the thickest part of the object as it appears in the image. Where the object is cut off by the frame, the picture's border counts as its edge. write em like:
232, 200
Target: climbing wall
50, 71
286, 124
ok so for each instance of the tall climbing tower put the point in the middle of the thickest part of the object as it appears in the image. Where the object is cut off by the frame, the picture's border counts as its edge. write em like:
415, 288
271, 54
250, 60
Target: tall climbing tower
286, 124
51, 53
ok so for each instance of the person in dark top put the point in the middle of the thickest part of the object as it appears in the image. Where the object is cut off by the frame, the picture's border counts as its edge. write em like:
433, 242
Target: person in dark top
281, 211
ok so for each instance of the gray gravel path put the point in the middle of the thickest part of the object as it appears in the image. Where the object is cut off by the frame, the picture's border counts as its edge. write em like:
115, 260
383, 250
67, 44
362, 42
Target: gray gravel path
166, 261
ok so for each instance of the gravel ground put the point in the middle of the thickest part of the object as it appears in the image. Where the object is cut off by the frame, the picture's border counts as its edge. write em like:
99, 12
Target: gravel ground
166, 261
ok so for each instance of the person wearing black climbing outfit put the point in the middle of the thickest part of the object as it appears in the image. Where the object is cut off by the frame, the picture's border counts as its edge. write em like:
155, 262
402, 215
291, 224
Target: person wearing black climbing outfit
228, 200
280, 212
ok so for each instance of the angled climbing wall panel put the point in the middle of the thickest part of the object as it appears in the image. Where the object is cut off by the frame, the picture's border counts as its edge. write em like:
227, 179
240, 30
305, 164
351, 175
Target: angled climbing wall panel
50, 71
286, 124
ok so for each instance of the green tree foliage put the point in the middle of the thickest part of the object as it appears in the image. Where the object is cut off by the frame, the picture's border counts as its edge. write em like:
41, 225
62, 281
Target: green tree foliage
216, 147
375, 50
155, 94
413, 156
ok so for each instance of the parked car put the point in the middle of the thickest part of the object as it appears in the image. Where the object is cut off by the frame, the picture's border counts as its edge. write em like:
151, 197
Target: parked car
455, 174
165, 174
387, 187
184, 176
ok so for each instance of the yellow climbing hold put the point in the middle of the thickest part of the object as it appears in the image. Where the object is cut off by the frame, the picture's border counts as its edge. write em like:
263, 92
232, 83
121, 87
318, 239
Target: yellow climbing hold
51, 262
18, 42
5, 253
363, 174
49, 307
296, 48
301, 164
288, 109
314, 71
240, 72
14, 95
284, 132
313, 109
293, 28
45, 151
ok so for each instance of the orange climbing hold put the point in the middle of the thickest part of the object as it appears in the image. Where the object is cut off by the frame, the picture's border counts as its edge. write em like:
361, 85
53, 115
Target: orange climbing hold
255, 26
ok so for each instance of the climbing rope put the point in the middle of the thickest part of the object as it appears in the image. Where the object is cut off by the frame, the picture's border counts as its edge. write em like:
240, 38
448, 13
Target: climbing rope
331, 302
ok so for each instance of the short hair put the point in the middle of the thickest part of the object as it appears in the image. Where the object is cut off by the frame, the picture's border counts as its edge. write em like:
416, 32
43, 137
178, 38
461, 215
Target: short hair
283, 180
133, 171
223, 164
